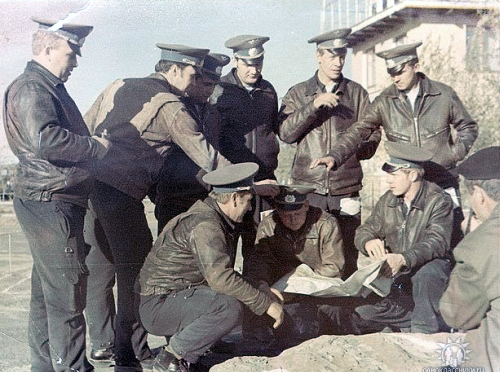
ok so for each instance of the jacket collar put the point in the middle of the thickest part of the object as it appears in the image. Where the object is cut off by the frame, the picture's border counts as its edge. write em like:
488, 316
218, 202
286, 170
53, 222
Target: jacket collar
418, 202
314, 86
427, 88
213, 204
37, 67
162, 78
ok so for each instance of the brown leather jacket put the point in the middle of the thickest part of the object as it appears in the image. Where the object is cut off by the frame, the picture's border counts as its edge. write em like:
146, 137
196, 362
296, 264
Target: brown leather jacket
424, 234
316, 131
279, 250
199, 248
145, 121
429, 128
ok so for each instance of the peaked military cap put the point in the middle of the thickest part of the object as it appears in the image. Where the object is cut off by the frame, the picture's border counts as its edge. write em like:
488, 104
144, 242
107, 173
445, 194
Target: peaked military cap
482, 165
331, 40
233, 178
395, 58
248, 47
292, 197
73, 33
183, 54
212, 66
405, 156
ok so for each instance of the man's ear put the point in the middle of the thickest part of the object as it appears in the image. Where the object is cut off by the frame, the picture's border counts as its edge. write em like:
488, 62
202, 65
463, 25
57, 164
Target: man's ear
234, 61
414, 176
416, 67
480, 194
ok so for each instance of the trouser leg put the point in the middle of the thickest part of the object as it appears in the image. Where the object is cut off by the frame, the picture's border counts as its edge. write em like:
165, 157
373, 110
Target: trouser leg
124, 223
100, 312
195, 318
348, 226
428, 285
54, 231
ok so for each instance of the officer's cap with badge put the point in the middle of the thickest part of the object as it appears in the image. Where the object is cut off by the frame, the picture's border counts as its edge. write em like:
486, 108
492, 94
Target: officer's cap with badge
482, 165
334, 41
213, 64
233, 178
73, 33
183, 54
405, 156
247, 47
292, 197
396, 58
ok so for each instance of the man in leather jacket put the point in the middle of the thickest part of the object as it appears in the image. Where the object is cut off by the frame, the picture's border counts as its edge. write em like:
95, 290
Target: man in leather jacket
418, 111
410, 228
179, 185
314, 115
145, 120
189, 289
46, 131
248, 105
294, 234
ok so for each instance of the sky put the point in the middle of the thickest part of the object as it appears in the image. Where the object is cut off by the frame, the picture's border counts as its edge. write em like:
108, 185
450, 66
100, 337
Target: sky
125, 33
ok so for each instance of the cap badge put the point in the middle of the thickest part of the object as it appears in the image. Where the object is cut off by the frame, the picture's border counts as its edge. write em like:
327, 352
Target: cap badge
188, 61
253, 41
252, 52
290, 199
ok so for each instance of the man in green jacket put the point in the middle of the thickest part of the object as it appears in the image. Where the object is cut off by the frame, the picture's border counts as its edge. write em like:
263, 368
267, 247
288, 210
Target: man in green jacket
471, 302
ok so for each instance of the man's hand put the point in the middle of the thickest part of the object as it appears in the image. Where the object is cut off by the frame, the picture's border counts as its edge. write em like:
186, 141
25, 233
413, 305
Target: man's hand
102, 146
329, 100
275, 311
327, 161
393, 264
266, 188
375, 249
277, 294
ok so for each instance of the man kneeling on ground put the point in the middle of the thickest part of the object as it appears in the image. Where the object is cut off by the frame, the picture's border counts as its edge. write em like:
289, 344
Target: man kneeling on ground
410, 228
190, 291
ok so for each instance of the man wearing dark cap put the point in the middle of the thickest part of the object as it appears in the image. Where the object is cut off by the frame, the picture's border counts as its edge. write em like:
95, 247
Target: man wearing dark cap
145, 120
180, 185
410, 228
471, 302
418, 111
248, 105
190, 291
295, 233
314, 115
47, 133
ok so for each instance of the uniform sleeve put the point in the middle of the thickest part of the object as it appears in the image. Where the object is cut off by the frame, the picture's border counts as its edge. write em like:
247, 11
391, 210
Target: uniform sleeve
464, 303
332, 252
357, 134
296, 117
466, 128
211, 254
187, 135
41, 129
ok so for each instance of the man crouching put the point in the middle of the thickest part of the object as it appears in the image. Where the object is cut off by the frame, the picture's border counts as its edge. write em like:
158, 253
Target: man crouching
190, 291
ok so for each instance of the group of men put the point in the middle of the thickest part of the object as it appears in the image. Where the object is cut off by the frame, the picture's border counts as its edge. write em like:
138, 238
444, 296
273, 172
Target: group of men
204, 148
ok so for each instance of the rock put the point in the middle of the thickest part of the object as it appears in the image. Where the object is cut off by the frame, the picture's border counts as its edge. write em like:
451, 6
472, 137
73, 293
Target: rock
383, 352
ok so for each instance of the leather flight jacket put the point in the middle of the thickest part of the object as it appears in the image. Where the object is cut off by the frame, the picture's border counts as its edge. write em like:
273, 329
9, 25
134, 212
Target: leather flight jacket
46, 132
317, 130
440, 124
196, 248
421, 236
